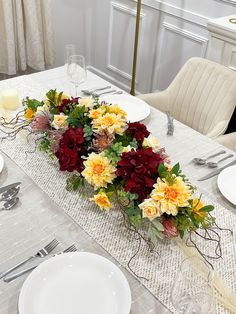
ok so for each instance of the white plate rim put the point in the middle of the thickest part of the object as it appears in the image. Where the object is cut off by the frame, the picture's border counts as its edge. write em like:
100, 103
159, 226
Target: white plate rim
44, 264
221, 188
1, 163
145, 105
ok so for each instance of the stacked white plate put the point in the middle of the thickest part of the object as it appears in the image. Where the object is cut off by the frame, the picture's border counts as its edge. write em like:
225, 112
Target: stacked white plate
74, 283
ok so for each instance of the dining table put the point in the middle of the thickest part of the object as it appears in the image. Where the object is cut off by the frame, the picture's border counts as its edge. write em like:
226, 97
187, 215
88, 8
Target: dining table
47, 210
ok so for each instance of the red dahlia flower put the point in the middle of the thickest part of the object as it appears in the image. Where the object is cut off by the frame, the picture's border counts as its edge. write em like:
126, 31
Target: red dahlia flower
139, 169
71, 148
66, 102
138, 131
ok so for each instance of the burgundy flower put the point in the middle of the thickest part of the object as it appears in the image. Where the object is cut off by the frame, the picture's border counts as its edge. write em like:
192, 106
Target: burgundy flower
71, 149
170, 230
67, 102
138, 131
139, 170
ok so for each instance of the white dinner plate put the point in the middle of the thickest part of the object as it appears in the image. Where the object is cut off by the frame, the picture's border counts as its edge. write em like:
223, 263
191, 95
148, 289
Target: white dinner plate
136, 109
226, 183
1, 163
75, 283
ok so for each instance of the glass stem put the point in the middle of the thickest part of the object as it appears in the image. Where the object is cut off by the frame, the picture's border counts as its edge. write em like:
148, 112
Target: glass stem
76, 90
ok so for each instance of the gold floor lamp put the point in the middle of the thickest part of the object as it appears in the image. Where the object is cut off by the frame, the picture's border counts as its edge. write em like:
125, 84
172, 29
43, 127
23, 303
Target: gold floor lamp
139, 4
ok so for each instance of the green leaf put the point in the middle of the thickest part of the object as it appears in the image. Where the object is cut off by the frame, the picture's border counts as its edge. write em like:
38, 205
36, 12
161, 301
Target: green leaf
161, 170
175, 170
207, 208
33, 103
158, 225
74, 182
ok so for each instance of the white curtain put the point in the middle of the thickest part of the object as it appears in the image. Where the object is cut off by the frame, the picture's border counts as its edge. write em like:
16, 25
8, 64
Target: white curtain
26, 35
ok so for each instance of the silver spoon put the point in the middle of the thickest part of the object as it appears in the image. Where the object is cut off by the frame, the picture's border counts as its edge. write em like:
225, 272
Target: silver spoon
203, 161
10, 203
9, 194
213, 164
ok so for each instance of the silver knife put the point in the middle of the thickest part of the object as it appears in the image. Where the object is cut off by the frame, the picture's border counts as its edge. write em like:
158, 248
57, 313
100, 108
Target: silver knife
217, 171
7, 187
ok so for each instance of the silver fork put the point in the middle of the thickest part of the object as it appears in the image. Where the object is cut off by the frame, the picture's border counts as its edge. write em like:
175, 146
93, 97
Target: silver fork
92, 90
41, 253
10, 278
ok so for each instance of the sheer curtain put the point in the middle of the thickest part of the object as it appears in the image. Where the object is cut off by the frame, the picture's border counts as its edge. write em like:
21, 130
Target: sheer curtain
26, 35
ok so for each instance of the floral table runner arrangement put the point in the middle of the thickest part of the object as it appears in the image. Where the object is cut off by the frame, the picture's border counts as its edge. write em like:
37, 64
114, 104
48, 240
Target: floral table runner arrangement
123, 163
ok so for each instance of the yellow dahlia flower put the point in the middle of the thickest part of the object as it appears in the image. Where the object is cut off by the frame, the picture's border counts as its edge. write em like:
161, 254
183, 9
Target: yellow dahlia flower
96, 113
111, 122
150, 209
116, 110
102, 201
171, 196
98, 170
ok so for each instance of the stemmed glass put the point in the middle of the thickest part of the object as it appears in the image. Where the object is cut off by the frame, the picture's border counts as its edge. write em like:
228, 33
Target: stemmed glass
191, 291
69, 51
76, 71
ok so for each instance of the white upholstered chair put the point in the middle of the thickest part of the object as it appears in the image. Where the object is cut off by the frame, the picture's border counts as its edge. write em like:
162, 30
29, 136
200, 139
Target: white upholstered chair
228, 140
202, 96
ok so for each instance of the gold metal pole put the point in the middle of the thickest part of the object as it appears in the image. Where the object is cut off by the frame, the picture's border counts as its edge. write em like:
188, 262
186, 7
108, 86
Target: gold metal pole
132, 91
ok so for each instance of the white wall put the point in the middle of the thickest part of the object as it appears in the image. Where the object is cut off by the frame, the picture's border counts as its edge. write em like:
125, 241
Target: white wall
172, 31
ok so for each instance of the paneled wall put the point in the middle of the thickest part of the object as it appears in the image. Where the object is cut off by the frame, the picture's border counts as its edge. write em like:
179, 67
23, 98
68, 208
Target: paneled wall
171, 32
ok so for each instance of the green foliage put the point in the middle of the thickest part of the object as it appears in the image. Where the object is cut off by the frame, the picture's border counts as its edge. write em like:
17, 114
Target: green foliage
88, 132
32, 103
155, 231
45, 146
77, 117
134, 214
126, 140
74, 182
114, 152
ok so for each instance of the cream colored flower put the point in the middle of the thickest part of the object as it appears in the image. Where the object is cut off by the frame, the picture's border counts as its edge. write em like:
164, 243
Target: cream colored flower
43, 109
96, 113
150, 209
59, 121
87, 102
116, 110
111, 122
98, 170
102, 200
152, 141
127, 149
171, 196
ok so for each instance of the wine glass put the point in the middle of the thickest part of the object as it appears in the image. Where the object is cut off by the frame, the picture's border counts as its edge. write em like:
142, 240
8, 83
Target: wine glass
191, 291
76, 71
69, 51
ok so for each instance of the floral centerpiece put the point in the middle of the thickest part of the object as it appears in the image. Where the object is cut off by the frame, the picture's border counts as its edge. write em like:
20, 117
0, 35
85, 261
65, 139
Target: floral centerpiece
122, 161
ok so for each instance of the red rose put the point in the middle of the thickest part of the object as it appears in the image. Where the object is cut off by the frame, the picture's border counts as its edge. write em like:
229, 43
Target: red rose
170, 230
138, 131
139, 170
71, 149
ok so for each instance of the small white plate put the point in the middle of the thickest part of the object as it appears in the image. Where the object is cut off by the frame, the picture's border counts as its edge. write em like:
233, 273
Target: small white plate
226, 183
75, 283
136, 109
1, 163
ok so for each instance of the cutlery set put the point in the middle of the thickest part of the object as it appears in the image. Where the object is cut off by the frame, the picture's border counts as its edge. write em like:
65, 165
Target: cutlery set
97, 92
213, 164
42, 253
8, 195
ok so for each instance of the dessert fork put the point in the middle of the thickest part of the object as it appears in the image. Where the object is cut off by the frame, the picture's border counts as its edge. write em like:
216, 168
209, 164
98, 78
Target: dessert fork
10, 278
41, 253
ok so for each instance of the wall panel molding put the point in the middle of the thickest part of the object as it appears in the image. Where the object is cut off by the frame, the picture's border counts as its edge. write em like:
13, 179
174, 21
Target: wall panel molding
115, 6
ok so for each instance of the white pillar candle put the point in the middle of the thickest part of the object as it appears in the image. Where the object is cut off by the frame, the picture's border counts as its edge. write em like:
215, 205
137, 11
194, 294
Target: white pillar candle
10, 99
